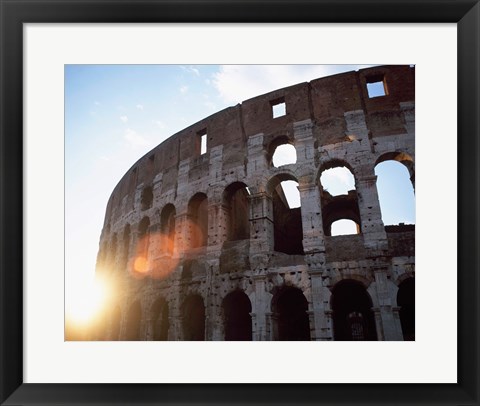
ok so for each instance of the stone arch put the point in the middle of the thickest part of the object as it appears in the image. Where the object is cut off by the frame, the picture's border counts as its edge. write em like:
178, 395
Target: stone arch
274, 144
159, 319
198, 216
235, 200
167, 228
126, 245
287, 222
143, 238
402, 157
406, 302
236, 308
134, 318
290, 320
353, 318
146, 199
193, 318
339, 206
389, 169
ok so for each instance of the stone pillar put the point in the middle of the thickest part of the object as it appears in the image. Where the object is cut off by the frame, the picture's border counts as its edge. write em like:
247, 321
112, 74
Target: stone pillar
373, 230
261, 223
257, 160
312, 224
260, 308
320, 324
390, 324
182, 234
304, 142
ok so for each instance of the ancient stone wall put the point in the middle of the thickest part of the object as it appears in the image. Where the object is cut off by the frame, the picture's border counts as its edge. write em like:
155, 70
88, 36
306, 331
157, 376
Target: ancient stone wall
202, 245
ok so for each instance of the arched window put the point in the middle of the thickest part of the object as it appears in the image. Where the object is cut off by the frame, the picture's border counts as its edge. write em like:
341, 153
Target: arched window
167, 228
134, 318
287, 214
281, 152
126, 246
406, 302
339, 199
353, 319
395, 180
289, 313
238, 322
193, 312
143, 238
237, 211
160, 323
337, 180
146, 198
344, 227
198, 213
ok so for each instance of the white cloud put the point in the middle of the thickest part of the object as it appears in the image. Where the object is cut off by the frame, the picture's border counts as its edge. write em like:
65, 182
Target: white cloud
184, 89
97, 103
236, 83
191, 69
135, 139
139, 106
124, 119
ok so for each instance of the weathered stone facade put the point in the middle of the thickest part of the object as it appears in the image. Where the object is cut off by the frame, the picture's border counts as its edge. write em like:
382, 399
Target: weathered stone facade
203, 246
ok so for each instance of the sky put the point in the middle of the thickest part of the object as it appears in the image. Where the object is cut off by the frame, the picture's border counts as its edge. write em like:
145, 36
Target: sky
115, 114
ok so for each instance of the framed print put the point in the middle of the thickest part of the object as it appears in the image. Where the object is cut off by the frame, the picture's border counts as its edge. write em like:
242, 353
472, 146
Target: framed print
431, 48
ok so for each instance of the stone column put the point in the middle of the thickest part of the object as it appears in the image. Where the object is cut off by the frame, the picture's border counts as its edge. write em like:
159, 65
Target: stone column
312, 224
261, 223
320, 324
260, 308
373, 229
390, 325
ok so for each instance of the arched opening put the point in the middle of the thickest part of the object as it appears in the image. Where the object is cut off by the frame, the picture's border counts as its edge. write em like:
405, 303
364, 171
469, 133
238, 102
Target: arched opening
198, 213
406, 302
193, 318
344, 227
115, 325
290, 317
143, 238
337, 180
237, 211
126, 245
167, 228
281, 152
238, 322
160, 323
395, 179
339, 199
353, 319
146, 198
287, 215
284, 154
134, 318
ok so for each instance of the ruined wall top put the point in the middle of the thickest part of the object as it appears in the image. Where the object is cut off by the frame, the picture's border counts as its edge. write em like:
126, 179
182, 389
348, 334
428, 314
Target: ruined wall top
324, 101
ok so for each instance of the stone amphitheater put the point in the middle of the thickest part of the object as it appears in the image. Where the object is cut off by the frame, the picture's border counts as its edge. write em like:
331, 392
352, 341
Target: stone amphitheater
199, 241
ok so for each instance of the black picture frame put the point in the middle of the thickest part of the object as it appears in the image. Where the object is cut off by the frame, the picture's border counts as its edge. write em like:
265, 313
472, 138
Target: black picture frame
14, 13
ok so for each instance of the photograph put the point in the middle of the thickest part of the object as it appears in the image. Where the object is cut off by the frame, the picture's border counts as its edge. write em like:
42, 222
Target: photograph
239, 202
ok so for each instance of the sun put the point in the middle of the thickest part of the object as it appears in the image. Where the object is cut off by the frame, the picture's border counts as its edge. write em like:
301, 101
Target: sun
86, 301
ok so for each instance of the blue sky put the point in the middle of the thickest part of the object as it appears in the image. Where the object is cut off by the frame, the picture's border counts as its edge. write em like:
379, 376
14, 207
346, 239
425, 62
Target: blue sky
114, 114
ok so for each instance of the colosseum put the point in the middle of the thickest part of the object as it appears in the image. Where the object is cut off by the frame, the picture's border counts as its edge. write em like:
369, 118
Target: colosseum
199, 241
